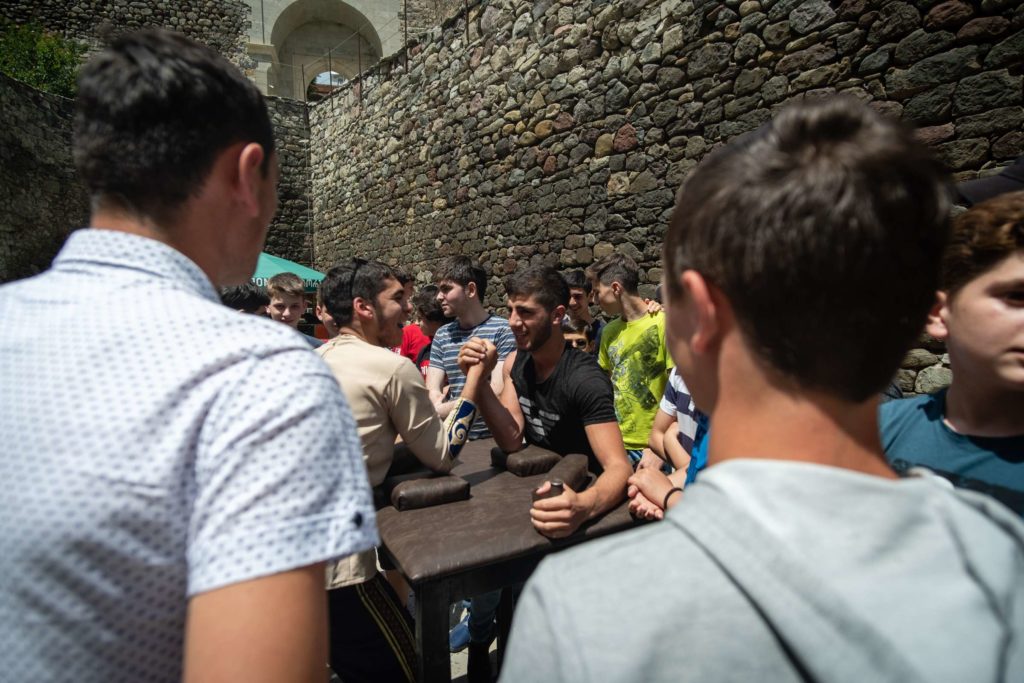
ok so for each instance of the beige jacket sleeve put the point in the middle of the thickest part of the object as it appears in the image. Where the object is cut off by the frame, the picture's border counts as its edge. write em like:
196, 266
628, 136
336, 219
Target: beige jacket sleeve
416, 420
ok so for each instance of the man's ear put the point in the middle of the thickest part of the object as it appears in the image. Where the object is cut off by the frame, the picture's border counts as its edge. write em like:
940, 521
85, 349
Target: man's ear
363, 309
251, 177
470, 289
557, 315
936, 325
705, 323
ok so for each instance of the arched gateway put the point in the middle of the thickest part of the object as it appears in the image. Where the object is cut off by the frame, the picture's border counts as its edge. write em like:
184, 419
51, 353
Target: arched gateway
290, 40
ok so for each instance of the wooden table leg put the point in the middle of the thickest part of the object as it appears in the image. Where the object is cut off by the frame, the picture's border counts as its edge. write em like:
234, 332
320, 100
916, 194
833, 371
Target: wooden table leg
505, 609
432, 632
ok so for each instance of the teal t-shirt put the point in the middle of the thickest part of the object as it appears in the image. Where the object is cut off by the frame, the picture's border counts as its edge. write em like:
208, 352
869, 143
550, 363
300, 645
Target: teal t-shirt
914, 434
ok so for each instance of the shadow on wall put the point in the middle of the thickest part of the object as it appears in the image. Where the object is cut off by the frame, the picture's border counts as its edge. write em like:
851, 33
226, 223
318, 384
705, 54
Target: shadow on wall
41, 200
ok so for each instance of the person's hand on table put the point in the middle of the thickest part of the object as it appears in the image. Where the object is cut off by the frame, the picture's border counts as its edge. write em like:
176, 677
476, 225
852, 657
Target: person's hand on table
652, 483
642, 508
650, 460
559, 516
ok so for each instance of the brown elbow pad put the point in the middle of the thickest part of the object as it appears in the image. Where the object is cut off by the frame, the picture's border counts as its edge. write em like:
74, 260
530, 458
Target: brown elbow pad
572, 470
530, 461
421, 493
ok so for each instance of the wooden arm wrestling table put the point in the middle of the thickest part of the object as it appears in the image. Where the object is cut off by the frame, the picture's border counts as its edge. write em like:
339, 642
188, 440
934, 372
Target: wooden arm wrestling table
455, 551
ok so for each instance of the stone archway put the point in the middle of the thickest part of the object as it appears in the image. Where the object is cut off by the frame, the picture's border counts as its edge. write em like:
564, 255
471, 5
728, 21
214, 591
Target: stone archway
290, 39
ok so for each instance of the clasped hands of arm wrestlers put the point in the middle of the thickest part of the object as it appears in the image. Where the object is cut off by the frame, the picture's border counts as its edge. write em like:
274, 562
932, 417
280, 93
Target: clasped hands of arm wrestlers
555, 517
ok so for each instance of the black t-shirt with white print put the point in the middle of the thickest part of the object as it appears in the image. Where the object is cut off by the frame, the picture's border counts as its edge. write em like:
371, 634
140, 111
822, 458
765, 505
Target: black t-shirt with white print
577, 393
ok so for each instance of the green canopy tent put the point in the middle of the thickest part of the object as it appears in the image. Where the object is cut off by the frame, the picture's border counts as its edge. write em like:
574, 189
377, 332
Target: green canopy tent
269, 266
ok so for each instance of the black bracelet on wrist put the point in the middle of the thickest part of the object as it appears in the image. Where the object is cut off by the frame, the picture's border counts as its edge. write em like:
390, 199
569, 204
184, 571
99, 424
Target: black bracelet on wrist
664, 503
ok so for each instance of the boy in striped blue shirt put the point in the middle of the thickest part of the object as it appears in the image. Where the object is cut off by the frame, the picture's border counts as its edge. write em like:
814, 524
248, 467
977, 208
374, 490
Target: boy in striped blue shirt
461, 286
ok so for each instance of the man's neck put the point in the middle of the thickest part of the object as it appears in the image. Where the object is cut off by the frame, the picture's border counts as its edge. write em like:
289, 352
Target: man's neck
981, 411
760, 414
202, 253
546, 358
472, 317
633, 307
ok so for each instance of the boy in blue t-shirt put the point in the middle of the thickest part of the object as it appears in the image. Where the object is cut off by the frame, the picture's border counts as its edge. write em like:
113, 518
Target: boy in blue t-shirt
973, 432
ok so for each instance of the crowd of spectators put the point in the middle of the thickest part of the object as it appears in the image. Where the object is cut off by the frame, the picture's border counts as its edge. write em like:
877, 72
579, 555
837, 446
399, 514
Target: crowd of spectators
198, 506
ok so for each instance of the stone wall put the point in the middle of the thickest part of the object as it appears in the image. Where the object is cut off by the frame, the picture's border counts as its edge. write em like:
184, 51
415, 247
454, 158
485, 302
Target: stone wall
41, 201
561, 130
291, 232
221, 24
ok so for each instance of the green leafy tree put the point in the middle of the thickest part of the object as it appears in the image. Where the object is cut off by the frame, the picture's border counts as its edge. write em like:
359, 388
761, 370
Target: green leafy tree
43, 60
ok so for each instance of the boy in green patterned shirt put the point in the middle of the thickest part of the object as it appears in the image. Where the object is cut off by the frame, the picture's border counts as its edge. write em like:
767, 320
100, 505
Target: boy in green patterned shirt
632, 350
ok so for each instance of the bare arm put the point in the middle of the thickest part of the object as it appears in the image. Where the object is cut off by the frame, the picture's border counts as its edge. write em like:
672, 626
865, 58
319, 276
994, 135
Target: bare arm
662, 423
610, 488
500, 411
269, 629
562, 515
435, 386
675, 452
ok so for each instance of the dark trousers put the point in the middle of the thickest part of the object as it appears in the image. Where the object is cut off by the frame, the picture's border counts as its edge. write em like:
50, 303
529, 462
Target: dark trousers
371, 634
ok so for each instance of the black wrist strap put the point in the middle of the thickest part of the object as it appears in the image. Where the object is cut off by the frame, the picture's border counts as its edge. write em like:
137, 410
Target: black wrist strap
664, 503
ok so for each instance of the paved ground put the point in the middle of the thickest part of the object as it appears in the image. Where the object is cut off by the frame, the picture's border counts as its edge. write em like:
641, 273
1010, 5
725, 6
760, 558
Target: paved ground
461, 659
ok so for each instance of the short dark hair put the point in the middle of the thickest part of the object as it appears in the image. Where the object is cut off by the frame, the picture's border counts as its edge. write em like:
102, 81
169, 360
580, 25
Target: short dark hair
983, 236
248, 297
617, 268
427, 306
343, 283
824, 229
462, 270
577, 279
153, 111
544, 283
402, 275
578, 327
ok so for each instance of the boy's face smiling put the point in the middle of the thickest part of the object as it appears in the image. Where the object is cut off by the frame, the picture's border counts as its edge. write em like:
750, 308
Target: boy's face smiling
983, 325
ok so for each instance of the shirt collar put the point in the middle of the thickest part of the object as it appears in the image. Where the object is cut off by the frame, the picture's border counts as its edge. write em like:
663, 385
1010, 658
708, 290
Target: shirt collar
124, 250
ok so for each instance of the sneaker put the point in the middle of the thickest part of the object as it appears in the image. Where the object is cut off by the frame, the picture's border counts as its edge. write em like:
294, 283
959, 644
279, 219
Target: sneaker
478, 669
458, 637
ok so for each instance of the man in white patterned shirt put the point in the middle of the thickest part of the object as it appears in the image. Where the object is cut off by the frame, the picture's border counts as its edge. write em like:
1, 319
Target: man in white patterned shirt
168, 507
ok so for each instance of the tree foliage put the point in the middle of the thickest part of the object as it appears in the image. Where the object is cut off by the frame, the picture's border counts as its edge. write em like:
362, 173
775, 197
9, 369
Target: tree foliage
44, 60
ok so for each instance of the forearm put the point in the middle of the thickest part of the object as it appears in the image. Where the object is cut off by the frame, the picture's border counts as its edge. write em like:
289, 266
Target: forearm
443, 408
506, 432
656, 442
608, 491
675, 453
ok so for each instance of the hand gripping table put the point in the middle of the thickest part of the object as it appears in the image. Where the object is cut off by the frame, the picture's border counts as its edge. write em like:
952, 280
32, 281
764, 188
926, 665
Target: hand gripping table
458, 550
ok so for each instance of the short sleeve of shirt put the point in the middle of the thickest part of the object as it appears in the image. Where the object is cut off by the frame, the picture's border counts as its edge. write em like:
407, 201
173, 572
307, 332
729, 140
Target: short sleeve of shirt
505, 341
593, 393
279, 480
442, 338
668, 400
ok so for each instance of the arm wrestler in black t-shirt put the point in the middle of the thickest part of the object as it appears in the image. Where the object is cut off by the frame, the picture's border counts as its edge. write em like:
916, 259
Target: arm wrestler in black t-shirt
554, 397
